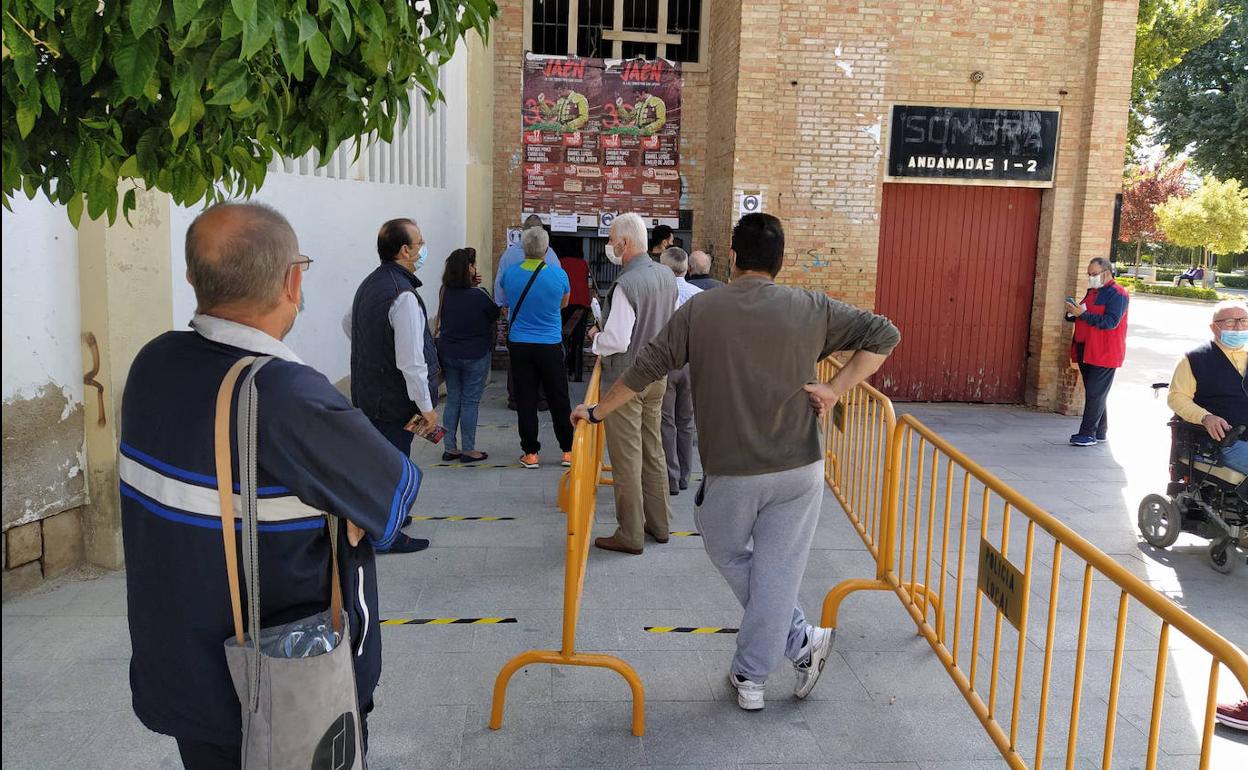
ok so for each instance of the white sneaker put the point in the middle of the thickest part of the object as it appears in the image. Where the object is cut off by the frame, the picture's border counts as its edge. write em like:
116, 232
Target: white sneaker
815, 655
749, 694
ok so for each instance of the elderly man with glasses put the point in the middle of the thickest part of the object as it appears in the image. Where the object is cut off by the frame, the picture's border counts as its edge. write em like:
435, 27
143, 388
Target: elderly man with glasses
1208, 387
1098, 347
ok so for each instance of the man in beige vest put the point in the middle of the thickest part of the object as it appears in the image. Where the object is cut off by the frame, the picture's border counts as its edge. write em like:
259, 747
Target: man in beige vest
640, 305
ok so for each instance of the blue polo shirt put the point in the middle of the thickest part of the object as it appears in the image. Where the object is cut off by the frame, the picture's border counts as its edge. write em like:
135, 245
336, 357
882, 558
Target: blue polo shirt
539, 319
316, 453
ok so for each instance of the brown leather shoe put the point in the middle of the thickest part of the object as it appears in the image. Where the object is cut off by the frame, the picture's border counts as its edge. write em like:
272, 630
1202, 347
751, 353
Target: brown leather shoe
657, 539
611, 544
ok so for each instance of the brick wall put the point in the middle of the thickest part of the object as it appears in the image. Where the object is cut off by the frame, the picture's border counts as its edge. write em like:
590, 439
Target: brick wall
795, 105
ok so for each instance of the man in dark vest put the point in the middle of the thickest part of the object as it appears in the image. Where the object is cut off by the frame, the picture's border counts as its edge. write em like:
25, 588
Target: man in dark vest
1208, 386
394, 363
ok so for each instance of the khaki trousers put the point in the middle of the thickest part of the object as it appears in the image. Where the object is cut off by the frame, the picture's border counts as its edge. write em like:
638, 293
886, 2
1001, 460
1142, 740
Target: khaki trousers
639, 466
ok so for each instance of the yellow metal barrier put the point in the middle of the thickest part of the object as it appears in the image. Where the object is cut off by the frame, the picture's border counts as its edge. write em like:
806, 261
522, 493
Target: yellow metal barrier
578, 495
927, 522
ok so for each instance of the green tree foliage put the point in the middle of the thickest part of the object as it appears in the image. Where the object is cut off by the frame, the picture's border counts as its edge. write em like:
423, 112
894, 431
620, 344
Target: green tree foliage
1202, 104
1164, 32
195, 97
1214, 217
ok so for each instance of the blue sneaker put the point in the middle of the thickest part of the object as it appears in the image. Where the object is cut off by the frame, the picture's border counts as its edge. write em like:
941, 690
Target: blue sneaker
1081, 440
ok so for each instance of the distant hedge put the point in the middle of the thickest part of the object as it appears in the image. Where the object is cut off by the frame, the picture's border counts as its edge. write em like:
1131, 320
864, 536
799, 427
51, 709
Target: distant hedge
1234, 281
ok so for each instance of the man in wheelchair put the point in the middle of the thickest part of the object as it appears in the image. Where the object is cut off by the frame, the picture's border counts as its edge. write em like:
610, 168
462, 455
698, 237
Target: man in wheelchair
1208, 490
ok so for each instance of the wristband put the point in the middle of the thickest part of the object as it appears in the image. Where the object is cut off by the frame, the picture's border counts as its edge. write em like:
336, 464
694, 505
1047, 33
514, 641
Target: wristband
592, 418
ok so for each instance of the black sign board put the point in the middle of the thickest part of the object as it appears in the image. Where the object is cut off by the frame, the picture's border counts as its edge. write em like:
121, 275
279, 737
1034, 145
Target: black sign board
970, 143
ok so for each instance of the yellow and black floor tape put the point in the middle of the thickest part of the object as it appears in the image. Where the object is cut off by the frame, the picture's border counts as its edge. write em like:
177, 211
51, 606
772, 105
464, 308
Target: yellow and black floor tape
685, 534
476, 465
689, 630
446, 621
463, 518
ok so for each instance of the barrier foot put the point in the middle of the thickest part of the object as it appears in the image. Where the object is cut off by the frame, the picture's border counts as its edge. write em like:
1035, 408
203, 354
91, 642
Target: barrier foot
575, 659
832, 602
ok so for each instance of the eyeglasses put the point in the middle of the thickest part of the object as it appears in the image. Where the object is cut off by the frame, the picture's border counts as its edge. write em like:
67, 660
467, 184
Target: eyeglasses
303, 263
1232, 323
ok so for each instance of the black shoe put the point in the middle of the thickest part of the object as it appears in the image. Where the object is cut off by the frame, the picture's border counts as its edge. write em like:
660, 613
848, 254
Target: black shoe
404, 544
673, 491
684, 484
450, 456
511, 405
407, 522
470, 459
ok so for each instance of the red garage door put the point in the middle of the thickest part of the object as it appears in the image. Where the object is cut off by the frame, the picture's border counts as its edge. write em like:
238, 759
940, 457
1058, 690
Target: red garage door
957, 268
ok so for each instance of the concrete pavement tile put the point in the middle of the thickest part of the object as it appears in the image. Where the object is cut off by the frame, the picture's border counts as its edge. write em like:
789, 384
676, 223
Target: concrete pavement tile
120, 741
69, 638
910, 676
47, 600
42, 741
87, 685
416, 737
97, 598
562, 735
481, 596
509, 561
722, 734
455, 679
438, 559
633, 592
24, 681
671, 676
865, 730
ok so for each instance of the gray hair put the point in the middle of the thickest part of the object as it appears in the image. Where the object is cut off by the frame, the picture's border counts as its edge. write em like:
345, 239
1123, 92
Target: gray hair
245, 262
1228, 304
1102, 263
675, 258
700, 262
632, 227
534, 241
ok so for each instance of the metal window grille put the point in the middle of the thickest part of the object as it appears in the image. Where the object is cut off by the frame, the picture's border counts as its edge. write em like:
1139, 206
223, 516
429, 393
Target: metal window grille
550, 26
668, 28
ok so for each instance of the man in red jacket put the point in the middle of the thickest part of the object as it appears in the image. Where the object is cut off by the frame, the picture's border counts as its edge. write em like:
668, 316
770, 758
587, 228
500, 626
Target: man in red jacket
1098, 347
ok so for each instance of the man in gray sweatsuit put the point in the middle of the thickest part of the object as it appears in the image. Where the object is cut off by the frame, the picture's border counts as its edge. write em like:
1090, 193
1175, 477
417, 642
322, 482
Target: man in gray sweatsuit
756, 405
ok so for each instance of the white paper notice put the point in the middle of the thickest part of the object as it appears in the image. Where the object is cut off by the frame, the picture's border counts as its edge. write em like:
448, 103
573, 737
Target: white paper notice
563, 223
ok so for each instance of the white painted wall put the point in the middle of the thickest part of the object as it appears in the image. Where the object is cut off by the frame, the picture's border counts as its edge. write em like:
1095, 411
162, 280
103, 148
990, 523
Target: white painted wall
42, 322
336, 221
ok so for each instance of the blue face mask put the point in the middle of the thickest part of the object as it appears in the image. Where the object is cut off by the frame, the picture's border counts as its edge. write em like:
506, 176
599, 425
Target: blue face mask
1235, 338
420, 258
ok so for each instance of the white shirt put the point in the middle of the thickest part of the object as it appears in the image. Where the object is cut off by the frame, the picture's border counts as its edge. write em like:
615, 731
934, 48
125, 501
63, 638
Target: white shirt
242, 336
618, 332
409, 325
684, 291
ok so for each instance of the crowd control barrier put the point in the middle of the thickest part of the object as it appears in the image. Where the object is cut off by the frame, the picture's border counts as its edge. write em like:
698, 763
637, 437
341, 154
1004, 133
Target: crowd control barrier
578, 495
946, 535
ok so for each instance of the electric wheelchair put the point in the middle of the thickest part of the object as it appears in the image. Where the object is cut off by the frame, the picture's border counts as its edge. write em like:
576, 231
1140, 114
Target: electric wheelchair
1203, 497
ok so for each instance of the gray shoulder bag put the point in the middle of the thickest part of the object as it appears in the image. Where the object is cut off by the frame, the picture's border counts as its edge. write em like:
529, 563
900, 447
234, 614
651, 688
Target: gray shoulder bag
295, 681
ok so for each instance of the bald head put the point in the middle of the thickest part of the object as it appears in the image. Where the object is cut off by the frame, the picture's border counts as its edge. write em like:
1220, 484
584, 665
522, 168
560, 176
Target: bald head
699, 263
238, 256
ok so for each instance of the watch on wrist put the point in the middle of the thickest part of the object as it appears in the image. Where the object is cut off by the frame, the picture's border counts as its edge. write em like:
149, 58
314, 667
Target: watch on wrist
593, 419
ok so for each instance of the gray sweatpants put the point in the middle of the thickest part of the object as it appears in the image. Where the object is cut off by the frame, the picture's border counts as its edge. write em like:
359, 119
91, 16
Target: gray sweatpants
757, 531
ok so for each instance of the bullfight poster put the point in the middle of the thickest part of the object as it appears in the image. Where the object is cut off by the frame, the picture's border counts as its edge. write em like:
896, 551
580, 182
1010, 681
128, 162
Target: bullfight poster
601, 136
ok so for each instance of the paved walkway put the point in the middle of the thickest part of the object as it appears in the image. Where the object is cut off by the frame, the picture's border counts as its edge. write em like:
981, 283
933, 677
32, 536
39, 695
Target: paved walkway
884, 702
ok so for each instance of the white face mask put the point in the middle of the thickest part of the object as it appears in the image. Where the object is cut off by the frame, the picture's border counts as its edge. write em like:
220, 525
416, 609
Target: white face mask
612, 257
1096, 281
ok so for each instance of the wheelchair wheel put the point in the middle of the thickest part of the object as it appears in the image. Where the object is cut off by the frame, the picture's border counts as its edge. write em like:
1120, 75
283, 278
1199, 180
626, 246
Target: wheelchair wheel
1160, 521
1223, 556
